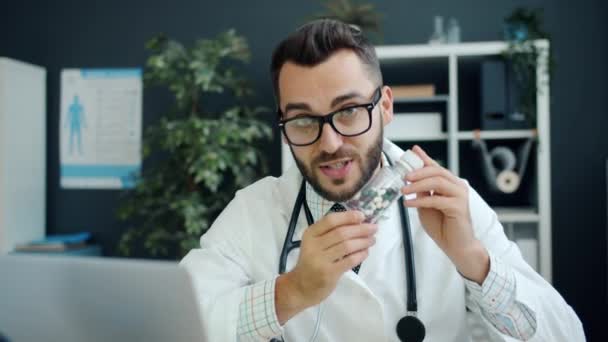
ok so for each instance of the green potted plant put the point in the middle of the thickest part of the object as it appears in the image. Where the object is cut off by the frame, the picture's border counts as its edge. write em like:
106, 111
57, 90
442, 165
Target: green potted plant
363, 15
200, 157
521, 29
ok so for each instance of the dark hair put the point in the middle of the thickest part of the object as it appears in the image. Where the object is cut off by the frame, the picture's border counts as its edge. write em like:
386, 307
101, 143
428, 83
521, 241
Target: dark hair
316, 41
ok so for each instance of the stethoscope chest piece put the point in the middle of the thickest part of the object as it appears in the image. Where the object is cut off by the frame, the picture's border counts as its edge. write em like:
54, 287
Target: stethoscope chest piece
410, 329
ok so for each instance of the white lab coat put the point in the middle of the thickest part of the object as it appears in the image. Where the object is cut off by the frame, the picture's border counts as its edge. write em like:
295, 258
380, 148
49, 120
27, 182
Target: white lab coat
244, 244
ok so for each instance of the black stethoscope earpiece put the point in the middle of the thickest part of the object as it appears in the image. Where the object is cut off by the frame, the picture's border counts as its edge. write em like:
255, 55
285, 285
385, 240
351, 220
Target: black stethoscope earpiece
409, 328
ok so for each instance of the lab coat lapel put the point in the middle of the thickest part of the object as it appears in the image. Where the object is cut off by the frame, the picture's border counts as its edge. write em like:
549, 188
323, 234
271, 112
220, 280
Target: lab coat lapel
388, 236
289, 185
392, 151
291, 180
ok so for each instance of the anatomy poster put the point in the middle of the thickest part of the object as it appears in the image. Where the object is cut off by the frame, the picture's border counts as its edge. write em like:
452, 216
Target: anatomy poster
100, 128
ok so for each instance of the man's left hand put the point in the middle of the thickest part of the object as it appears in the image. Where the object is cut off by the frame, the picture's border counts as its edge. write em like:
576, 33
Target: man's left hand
442, 200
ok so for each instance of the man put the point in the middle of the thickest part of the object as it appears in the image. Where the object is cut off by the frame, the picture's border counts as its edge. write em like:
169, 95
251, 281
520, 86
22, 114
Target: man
347, 281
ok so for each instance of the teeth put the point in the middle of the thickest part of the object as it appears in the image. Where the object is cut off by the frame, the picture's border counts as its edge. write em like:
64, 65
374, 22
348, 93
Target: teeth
337, 165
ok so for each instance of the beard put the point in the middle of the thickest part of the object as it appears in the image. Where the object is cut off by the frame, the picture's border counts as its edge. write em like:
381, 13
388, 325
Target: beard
368, 161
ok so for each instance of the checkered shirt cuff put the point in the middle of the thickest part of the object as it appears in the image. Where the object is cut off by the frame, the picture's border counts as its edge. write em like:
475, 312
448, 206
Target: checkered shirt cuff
496, 301
257, 317
498, 290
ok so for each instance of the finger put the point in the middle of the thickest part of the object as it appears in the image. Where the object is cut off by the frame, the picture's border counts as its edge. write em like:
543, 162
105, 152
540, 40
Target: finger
435, 185
431, 171
348, 247
415, 195
352, 260
344, 233
436, 202
421, 194
425, 157
336, 219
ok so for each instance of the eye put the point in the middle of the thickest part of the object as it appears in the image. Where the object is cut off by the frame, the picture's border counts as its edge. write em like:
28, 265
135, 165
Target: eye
302, 122
348, 111
348, 114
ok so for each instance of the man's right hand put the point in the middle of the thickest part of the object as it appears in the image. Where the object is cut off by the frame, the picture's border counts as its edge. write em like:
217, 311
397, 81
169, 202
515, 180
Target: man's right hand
333, 245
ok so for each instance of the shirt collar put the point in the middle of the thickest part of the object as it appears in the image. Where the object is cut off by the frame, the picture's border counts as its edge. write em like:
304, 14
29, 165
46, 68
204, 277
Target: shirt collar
319, 206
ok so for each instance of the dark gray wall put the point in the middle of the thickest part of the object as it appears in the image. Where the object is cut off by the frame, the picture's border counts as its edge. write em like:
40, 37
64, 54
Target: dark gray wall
112, 33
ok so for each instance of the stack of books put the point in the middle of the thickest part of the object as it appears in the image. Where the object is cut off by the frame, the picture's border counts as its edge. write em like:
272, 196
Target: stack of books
413, 91
57, 243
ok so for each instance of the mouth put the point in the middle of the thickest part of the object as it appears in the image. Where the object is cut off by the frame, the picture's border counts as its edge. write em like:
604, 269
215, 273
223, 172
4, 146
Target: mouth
336, 169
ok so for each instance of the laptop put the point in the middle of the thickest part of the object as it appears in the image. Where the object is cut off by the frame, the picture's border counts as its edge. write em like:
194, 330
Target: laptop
53, 298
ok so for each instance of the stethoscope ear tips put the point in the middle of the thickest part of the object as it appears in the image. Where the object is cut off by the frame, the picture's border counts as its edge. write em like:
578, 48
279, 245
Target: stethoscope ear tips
410, 329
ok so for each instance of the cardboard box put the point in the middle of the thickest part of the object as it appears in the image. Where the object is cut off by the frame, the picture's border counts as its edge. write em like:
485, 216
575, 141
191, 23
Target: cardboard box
408, 126
417, 90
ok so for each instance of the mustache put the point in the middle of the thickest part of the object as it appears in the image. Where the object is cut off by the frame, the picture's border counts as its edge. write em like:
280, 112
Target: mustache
341, 153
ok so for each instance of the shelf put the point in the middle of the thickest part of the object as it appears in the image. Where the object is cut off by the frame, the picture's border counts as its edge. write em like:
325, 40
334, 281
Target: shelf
468, 135
498, 134
515, 215
396, 52
437, 98
437, 137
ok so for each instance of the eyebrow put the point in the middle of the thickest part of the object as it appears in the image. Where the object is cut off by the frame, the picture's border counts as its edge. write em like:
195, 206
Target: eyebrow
336, 101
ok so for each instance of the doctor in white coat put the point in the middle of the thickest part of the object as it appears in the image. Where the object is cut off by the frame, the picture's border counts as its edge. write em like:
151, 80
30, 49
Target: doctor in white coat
332, 109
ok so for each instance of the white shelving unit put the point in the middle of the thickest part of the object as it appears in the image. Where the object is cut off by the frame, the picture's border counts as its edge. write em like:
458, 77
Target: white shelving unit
22, 153
406, 56
453, 54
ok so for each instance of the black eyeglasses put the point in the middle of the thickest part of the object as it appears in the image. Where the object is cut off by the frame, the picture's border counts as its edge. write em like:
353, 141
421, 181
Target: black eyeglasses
303, 130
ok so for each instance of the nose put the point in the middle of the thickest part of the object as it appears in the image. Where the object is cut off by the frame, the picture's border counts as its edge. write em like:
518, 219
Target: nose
330, 140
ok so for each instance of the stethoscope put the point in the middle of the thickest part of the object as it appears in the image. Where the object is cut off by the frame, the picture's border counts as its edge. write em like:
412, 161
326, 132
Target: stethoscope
409, 328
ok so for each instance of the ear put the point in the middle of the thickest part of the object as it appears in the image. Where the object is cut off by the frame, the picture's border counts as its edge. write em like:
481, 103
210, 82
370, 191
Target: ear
279, 117
387, 105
